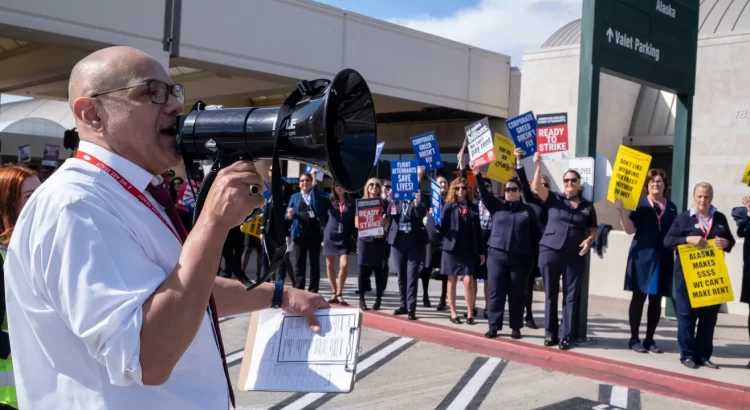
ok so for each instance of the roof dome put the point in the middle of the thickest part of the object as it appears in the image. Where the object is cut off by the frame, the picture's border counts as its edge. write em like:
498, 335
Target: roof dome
47, 118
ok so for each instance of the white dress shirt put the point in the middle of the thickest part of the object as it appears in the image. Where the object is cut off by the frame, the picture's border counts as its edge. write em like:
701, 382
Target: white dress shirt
84, 257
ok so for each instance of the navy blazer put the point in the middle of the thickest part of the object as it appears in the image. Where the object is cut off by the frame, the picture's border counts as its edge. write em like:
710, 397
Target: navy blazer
567, 227
515, 227
532, 199
434, 234
416, 211
686, 224
318, 201
739, 214
449, 225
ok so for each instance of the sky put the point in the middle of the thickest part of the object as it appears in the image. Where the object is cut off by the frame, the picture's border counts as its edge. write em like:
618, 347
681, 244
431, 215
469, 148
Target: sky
505, 26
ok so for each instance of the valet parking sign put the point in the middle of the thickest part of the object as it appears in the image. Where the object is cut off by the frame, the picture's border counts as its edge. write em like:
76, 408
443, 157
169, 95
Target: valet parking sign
427, 151
479, 140
404, 179
552, 135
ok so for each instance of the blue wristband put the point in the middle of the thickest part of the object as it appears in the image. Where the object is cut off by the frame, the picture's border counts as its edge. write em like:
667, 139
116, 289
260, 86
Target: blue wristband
278, 294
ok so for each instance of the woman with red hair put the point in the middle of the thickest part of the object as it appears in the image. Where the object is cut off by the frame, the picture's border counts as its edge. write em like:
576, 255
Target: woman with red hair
17, 183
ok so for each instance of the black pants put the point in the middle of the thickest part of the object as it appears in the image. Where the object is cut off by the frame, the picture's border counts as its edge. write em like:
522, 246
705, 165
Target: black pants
530, 282
407, 264
307, 245
381, 280
636, 313
696, 344
506, 279
234, 245
553, 265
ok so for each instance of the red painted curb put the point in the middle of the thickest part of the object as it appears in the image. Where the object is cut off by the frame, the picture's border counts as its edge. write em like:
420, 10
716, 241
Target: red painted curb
675, 385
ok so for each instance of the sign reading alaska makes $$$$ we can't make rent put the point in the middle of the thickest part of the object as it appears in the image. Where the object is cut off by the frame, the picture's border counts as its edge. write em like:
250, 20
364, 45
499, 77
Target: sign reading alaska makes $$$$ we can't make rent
479, 138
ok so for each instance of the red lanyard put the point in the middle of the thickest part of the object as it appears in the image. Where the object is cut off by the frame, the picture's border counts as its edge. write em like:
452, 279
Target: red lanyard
127, 185
700, 225
658, 214
342, 206
462, 209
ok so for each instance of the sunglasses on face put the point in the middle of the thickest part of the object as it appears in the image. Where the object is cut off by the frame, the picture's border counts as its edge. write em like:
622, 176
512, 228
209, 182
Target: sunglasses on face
387, 186
375, 184
570, 180
511, 189
460, 188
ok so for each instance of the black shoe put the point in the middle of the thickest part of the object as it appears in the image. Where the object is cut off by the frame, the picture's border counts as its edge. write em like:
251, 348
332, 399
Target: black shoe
412, 316
426, 301
651, 347
362, 304
551, 341
441, 306
515, 334
456, 320
491, 334
636, 346
689, 363
710, 364
564, 344
400, 311
530, 323
473, 313
470, 321
376, 306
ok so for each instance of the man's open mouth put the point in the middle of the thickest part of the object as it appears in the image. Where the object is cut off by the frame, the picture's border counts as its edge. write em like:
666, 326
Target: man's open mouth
171, 131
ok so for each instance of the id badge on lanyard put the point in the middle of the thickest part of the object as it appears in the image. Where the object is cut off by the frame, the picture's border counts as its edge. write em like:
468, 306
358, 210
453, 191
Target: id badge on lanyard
404, 224
310, 212
340, 228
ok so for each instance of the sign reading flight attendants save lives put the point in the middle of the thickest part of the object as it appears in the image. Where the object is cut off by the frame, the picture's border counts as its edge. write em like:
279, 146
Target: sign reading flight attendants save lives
479, 138
706, 275
404, 179
522, 130
552, 136
370, 217
628, 176
503, 167
436, 203
427, 151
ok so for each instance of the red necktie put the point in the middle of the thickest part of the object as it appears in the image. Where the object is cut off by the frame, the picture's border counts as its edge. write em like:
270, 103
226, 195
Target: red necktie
165, 200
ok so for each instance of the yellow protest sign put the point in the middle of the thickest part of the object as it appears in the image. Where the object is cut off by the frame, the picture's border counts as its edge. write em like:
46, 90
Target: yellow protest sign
628, 175
252, 227
502, 168
746, 175
706, 275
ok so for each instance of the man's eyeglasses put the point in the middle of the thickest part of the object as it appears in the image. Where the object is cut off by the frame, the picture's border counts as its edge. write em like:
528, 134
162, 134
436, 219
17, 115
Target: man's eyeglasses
158, 91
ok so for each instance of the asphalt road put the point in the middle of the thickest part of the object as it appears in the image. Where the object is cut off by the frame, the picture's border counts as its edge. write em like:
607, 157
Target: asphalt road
402, 373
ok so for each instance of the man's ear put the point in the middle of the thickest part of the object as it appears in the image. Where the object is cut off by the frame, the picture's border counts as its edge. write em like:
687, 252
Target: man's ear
85, 111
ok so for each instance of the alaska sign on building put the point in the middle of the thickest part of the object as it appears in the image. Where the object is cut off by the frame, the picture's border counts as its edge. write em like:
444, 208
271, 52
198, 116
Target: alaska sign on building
654, 41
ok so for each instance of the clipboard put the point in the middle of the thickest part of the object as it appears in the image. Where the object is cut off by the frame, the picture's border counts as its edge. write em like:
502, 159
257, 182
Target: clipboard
283, 355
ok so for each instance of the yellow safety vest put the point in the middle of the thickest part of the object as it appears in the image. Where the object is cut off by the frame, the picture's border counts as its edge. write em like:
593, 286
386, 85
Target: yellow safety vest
7, 382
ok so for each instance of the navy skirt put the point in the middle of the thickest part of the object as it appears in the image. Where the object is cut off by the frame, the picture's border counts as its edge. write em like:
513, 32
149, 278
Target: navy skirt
458, 263
745, 295
371, 252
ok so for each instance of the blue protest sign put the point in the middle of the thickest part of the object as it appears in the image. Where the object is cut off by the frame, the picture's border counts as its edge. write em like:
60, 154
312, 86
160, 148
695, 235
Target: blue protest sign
427, 151
267, 192
404, 179
378, 150
436, 201
523, 132
318, 175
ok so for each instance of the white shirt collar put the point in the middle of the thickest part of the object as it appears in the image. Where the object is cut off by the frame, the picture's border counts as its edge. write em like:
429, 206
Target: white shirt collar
137, 176
694, 210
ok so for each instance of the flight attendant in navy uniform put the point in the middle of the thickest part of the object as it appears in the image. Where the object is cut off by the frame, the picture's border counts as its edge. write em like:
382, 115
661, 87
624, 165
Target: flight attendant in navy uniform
510, 254
695, 226
306, 211
338, 239
462, 242
433, 252
570, 231
650, 265
741, 216
370, 251
407, 237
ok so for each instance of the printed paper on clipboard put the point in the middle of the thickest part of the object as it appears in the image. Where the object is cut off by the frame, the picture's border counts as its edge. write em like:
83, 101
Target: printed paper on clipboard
282, 354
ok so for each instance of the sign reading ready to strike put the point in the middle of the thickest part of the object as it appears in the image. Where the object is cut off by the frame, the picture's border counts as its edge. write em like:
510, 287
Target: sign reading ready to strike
706, 275
479, 140
404, 179
502, 168
369, 217
427, 151
552, 135
628, 175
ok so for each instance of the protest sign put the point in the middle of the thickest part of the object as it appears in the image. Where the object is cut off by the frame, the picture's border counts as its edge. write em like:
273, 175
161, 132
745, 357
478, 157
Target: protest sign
552, 135
585, 167
628, 175
378, 151
706, 274
479, 139
503, 167
185, 198
51, 155
427, 151
318, 175
436, 201
24, 153
370, 217
404, 179
522, 130
252, 227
